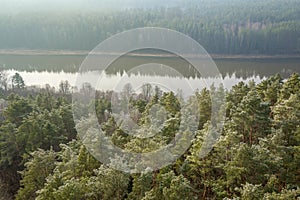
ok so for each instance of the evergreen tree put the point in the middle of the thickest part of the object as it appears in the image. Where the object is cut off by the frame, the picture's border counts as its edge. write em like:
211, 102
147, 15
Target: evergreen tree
17, 81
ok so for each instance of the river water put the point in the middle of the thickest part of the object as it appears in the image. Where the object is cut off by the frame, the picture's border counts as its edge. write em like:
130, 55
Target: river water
40, 70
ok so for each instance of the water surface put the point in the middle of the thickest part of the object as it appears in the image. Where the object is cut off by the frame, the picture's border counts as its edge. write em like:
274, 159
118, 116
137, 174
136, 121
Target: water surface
43, 69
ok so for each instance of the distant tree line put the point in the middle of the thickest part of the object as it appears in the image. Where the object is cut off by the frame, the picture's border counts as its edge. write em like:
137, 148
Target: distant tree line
222, 27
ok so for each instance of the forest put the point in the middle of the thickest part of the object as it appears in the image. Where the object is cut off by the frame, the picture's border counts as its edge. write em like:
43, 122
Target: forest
256, 156
221, 27
242, 142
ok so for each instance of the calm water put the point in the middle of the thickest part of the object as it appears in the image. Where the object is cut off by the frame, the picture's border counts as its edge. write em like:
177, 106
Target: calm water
41, 70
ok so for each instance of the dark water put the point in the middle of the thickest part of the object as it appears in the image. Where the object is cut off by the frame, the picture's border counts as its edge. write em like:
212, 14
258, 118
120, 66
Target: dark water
51, 69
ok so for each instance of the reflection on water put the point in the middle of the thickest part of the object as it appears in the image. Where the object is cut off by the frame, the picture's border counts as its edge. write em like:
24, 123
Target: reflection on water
52, 69
41, 63
107, 81
246, 68
241, 68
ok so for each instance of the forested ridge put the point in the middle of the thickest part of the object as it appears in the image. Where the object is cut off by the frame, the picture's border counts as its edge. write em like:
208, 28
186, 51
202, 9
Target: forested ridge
257, 155
222, 27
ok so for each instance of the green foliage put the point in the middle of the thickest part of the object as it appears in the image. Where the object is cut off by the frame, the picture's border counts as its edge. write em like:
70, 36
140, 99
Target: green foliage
17, 109
10, 158
170, 187
251, 117
235, 96
17, 81
204, 107
255, 156
34, 176
269, 89
77, 175
141, 184
31, 123
251, 192
291, 86
284, 194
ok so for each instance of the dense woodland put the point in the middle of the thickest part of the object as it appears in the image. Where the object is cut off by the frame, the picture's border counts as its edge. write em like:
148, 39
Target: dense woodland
222, 27
257, 155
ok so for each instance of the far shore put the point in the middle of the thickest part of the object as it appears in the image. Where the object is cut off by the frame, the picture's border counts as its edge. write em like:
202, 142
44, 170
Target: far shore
85, 53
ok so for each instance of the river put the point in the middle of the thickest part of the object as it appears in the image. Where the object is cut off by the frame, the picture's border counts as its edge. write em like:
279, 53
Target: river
39, 70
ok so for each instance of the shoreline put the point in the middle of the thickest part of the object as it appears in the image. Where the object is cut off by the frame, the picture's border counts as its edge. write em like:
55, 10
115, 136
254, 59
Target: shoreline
85, 53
